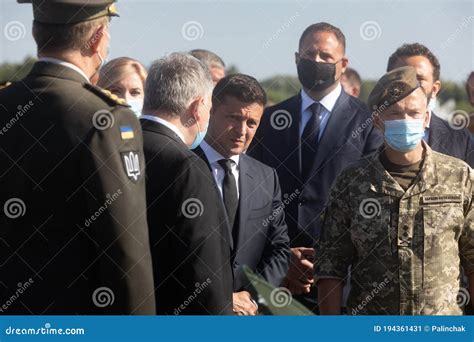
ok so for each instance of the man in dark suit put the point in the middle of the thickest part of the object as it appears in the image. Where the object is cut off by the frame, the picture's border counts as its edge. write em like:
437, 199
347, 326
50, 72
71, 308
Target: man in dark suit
309, 138
73, 236
450, 137
189, 232
250, 190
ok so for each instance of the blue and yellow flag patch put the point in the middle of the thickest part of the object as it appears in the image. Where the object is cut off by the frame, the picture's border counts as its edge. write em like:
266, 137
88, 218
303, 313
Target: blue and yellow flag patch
126, 132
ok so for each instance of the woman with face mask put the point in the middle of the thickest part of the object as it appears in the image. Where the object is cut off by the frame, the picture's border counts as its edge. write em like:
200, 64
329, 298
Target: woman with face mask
125, 77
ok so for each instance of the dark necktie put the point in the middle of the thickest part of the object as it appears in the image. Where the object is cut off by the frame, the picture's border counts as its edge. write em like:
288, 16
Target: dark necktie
309, 140
229, 190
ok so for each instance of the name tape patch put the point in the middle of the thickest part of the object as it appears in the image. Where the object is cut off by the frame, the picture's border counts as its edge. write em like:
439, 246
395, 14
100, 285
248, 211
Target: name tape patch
452, 198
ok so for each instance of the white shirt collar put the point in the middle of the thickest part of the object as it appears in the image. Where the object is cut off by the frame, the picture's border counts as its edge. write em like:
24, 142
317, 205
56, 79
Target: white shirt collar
327, 101
164, 123
213, 156
430, 114
66, 64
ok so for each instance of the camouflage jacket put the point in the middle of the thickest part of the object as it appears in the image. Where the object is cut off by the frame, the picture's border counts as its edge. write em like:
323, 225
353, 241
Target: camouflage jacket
405, 248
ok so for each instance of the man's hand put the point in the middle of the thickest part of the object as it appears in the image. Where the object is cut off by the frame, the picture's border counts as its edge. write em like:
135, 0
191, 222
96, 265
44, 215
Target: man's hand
243, 304
300, 273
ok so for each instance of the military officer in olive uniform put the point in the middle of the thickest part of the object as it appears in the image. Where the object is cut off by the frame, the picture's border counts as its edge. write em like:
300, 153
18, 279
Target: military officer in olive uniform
403, 217
73, 231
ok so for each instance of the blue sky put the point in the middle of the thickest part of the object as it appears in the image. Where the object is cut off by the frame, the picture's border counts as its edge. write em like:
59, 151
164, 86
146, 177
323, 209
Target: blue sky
260, 37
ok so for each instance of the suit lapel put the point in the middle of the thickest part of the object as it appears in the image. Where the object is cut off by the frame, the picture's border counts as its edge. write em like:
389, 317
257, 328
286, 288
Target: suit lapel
289, 142
200, 153
436, 131
334, 132
295, 137
246, 187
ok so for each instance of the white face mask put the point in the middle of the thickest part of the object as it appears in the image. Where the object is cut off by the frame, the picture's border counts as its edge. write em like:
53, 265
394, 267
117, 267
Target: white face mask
136, 105
432, 103
103, 60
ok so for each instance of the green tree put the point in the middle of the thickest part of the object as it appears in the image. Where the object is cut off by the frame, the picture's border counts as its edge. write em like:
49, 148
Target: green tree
15, 71
280, 87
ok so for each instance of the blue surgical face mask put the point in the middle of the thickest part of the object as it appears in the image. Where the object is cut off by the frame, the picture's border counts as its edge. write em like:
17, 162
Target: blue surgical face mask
404, 135
199, 137
136, 106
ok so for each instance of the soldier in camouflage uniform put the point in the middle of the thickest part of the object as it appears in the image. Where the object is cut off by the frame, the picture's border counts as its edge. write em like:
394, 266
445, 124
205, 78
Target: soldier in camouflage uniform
402, 218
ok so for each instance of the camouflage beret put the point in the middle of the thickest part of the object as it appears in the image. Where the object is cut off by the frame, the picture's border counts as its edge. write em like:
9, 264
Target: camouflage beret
394, 86
70, 11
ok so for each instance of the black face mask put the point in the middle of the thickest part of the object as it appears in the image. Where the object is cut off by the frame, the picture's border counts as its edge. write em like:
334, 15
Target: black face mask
316, 75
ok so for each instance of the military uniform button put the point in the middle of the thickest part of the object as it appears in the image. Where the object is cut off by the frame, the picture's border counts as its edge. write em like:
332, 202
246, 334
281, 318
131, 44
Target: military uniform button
405, 254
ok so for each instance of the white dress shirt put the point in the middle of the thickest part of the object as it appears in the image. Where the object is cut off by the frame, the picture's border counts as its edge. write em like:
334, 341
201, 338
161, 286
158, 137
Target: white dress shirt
164, 123
66, 64
327, 103
217, 170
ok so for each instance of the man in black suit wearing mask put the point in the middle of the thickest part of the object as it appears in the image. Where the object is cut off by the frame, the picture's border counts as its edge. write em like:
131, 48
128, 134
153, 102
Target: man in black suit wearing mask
309, 139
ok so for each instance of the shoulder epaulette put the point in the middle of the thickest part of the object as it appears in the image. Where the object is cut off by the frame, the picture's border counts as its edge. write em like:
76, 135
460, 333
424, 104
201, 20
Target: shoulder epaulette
106, 95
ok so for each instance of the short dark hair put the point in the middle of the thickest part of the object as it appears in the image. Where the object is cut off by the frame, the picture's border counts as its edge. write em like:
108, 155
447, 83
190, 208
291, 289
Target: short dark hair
242, 87
352, 75
61, 37
207, 57
323, 27
415, 49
